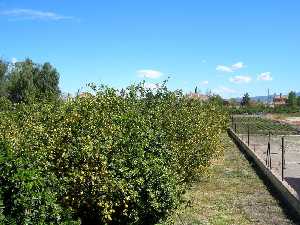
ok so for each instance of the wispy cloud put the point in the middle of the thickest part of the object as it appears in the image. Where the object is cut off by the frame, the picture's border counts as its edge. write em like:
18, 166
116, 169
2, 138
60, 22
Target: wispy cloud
223, 68
238, 66
152, 74
240, 79
265, 76
30, 14
232, 68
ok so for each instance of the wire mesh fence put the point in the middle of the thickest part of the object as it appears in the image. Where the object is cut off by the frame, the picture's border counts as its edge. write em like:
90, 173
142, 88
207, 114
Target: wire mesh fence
278, 145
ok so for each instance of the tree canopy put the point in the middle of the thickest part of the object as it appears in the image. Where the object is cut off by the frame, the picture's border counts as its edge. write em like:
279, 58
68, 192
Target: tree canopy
292, 99
3, 71
25, 81
217, 99
246, 100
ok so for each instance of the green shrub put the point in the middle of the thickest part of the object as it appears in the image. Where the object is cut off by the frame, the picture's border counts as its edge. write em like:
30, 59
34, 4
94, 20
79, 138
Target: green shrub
116, 157
263, 109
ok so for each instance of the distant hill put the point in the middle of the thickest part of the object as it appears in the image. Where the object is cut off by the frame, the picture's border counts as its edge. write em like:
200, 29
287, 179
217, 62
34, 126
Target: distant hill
257, 98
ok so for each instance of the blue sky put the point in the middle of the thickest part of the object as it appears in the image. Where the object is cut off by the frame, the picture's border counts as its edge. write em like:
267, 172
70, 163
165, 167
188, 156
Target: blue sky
229, 47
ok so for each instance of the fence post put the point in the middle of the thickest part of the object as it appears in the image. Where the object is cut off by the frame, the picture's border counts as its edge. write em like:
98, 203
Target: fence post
235, 128
282, 158
269, 147
270, 156
267, 155
248, 135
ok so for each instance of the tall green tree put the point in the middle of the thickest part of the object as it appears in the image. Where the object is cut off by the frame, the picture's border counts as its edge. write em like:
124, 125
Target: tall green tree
217, 99
21, 87
246, 100
3, 72
298, 101
292, 99
28, 81
47, 81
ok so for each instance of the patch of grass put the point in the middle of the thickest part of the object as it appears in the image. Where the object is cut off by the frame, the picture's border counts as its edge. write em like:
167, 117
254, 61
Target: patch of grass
231, 193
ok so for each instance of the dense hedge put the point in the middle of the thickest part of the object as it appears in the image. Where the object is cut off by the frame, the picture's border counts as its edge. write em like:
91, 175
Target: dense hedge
263, 109
116, 157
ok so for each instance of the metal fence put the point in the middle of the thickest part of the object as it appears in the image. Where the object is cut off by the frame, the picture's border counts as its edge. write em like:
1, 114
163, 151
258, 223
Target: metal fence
271, 145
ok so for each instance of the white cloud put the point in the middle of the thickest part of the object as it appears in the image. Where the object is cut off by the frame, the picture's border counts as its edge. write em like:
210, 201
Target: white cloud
240, 79
224, 90
265, 76
232, 68
238, 66
224, 69
14, 60
205, 82
152, 74
30, 14
151, 86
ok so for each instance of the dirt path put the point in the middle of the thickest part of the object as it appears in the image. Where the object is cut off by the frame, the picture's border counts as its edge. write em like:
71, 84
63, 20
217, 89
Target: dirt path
233, 194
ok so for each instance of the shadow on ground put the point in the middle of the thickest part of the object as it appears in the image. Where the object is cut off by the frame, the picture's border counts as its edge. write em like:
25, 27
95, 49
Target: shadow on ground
294, 183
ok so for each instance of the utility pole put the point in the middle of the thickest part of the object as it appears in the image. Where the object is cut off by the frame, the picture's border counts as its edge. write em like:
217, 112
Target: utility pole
269, 103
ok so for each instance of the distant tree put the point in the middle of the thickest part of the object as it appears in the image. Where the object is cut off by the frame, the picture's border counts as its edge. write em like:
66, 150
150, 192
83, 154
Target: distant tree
28, 81
20, 81
298, 101
196, 90
3, 69
3, 72
46, 82
216, 99
292, 99
246, 100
